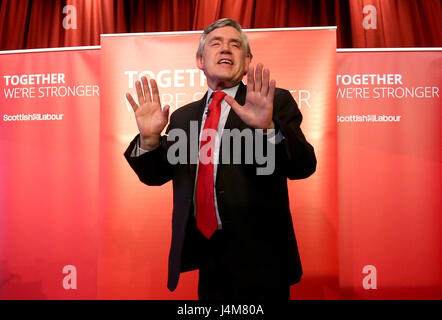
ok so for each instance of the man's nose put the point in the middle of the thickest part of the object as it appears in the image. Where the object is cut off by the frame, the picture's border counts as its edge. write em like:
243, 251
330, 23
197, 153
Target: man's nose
225, 47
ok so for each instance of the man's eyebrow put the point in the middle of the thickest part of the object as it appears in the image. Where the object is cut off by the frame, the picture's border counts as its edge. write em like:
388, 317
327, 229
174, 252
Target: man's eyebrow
215, 39
218, 38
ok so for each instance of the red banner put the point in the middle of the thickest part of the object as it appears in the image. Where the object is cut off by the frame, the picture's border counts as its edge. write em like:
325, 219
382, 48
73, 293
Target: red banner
136, 219
390, 168
48, 174
60, 238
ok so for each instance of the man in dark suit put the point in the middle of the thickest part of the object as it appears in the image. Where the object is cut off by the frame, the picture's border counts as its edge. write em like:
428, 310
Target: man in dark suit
229, 221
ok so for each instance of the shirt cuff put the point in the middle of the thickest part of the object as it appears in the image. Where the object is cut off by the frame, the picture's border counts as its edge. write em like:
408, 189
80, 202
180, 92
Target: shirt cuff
274, 136
137, 151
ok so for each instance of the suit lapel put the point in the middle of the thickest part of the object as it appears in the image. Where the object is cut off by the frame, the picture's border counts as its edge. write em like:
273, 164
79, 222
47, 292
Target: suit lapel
197, 115
233, 121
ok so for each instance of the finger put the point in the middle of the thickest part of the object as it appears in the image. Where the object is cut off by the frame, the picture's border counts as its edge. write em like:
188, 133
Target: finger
258, 77
139, 92
265, 82
155, 93
271, 94
235, 105
146, 89
132, 102
166, 112
250, 81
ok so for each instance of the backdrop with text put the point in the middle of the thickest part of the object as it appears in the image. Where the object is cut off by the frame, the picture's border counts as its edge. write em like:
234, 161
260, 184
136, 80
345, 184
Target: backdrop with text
136, 219
49, 107
390, 169
76, 223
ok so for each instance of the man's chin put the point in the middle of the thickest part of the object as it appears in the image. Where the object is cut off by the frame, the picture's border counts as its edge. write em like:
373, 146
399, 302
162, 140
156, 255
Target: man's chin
223, 80
229, 80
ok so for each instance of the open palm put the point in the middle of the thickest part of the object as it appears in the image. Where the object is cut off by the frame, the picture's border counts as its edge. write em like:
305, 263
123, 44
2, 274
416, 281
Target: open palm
150, 117
258, 108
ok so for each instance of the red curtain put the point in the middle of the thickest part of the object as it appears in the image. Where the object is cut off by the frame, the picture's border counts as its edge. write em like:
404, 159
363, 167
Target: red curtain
26, 24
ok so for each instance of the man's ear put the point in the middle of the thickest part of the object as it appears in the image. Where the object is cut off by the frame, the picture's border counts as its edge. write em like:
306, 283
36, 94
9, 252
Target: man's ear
248, 61
199, 62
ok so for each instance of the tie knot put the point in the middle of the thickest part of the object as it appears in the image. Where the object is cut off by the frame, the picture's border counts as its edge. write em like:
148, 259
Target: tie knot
217, 96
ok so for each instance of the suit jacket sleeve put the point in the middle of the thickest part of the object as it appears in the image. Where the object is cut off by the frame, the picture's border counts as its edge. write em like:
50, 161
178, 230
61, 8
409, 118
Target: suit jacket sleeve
152, 167
295, 156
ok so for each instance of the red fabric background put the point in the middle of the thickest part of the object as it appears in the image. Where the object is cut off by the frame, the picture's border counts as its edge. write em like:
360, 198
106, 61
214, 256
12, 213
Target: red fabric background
27, 24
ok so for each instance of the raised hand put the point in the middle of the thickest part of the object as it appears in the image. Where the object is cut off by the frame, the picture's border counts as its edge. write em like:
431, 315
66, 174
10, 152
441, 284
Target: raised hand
258, 109
151, 119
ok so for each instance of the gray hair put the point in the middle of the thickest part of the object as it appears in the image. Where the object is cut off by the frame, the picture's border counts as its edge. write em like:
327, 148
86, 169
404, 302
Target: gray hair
226, 22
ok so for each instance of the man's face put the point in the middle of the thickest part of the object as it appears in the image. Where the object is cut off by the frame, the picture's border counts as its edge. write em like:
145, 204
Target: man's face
224, 59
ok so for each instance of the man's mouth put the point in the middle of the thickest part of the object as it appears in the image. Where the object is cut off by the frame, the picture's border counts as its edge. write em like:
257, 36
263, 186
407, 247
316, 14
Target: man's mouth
225, 61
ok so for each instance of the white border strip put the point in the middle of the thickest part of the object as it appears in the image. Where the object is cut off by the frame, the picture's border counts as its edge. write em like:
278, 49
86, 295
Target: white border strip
201, 31
405, 49
147, 33
50, 49
290, 29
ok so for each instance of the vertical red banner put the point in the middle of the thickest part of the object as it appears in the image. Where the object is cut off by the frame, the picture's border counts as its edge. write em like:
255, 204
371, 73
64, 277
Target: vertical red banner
390, 168
49, 109
136, 219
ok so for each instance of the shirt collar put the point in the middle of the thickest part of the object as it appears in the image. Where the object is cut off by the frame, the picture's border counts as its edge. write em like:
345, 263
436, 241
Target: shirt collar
229, 91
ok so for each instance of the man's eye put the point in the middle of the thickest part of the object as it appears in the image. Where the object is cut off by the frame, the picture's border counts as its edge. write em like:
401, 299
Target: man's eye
236, 45
214, 44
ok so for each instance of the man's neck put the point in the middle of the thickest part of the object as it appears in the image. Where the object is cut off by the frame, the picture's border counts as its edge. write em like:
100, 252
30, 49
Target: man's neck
218, 86
231, 91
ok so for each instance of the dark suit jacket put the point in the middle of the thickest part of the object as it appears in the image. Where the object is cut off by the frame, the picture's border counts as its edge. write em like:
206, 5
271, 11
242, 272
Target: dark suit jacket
254, 209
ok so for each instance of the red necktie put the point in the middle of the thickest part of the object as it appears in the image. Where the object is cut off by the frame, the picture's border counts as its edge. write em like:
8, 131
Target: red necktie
205, 201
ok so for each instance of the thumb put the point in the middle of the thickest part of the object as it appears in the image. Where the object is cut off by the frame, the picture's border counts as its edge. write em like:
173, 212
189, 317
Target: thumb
166, 109
235, 105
